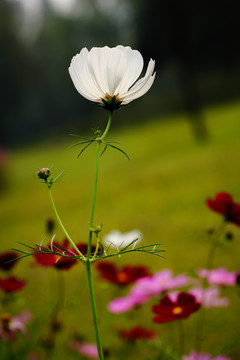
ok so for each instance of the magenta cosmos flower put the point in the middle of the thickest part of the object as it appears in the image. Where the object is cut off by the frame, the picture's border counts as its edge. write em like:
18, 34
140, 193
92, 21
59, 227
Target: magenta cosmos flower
109, 76
223, 204
220, 276
170, 310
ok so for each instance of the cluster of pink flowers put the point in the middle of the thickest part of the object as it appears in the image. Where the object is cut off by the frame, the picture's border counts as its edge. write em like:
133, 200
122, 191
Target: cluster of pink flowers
220, 276
87, 350
197, 356
147, 288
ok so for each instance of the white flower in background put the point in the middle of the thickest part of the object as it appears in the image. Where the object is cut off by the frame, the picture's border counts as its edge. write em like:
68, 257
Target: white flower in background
119, 240
108, 76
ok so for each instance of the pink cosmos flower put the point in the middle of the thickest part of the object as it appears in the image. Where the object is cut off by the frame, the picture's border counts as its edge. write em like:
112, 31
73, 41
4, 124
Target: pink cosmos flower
10, 326
209, 297
88, 350
196, 356
146, 288
220, 276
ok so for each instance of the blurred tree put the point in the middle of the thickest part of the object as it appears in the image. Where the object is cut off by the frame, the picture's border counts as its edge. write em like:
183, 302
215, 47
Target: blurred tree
37, 93
198, 38
194, 45
14, 65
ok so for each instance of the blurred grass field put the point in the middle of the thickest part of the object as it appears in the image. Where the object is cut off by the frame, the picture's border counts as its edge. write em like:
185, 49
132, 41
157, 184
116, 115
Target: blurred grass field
161, 191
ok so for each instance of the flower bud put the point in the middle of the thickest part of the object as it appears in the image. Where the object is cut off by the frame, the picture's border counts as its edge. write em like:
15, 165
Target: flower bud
210, 230
229, 236
238, 279
43, 173
96, 228
5, 321
50, 225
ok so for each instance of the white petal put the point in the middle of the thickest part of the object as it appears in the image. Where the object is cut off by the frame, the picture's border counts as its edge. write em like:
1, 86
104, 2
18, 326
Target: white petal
82, 77
134, 68
141, 91
142, 85
97, 62
109, 66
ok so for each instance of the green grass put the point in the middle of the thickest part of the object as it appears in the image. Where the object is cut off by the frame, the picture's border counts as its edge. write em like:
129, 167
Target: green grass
160, 191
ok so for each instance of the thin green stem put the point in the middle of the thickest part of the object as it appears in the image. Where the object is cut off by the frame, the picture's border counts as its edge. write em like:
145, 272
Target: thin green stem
62, 226
108, 126
181, 337
93, 202
96, 250
209, 265
88, 262
214, 245
94, 310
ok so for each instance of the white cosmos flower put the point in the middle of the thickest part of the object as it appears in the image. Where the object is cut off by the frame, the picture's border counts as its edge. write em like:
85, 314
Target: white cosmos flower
119, 240
108, 76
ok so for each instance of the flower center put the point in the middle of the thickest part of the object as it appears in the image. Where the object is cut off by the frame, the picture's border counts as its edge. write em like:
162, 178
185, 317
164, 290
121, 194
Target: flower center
122, 277
177, 310
110, 102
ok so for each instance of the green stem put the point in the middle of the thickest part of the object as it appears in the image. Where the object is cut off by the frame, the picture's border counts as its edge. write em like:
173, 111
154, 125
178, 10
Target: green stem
62, 226
88, 262
209, 265
96, 250
108, 126
215, 243
181, 337
94, 310
93, 202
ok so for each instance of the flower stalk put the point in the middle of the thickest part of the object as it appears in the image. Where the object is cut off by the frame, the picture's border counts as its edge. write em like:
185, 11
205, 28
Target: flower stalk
62, 226
209, 265
88, 261
181, 335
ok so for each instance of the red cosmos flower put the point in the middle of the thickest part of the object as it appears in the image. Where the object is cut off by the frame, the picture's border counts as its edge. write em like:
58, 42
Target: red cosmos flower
170, 310
57, 261
11, 284
137, 333
124, 276
8, 260
224, 205
60, 262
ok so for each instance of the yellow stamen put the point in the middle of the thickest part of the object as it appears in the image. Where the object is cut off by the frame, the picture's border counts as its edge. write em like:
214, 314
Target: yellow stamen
122, 277
177, 310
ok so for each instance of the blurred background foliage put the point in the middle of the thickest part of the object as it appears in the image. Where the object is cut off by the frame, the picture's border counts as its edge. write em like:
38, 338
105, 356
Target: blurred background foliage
195, 45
